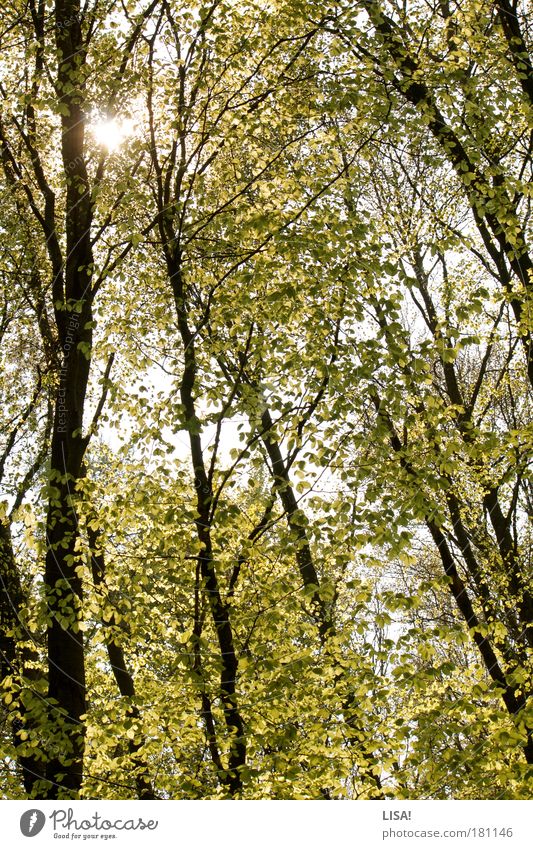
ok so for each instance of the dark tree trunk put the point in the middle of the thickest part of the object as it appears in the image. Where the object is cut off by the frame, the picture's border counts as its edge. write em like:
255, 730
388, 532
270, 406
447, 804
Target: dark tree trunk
18, 663
204, 497
73, 311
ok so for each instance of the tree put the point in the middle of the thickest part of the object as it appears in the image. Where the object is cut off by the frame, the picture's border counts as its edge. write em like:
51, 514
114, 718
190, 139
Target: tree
266, 477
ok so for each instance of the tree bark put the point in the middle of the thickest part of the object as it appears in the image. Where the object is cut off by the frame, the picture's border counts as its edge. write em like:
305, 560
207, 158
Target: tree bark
204, 496
73, 311
18, 663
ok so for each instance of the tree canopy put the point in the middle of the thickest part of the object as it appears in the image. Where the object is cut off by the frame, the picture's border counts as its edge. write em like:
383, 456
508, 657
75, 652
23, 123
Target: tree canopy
266, 378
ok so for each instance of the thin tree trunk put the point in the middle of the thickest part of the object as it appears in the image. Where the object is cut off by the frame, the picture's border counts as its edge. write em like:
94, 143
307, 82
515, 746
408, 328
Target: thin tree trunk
204, 496
19, 664
123, 677
513, 698
504, 226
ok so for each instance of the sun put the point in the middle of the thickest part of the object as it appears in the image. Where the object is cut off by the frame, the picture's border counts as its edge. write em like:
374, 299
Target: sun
112, 133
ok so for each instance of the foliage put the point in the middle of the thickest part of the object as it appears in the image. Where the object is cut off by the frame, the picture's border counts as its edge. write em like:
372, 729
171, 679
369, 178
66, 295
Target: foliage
266, 382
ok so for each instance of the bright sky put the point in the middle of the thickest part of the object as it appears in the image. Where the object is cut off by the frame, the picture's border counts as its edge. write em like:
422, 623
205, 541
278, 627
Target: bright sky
112, 133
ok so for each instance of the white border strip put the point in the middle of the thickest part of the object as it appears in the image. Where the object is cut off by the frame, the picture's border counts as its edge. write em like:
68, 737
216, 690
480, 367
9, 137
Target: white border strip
276, 825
